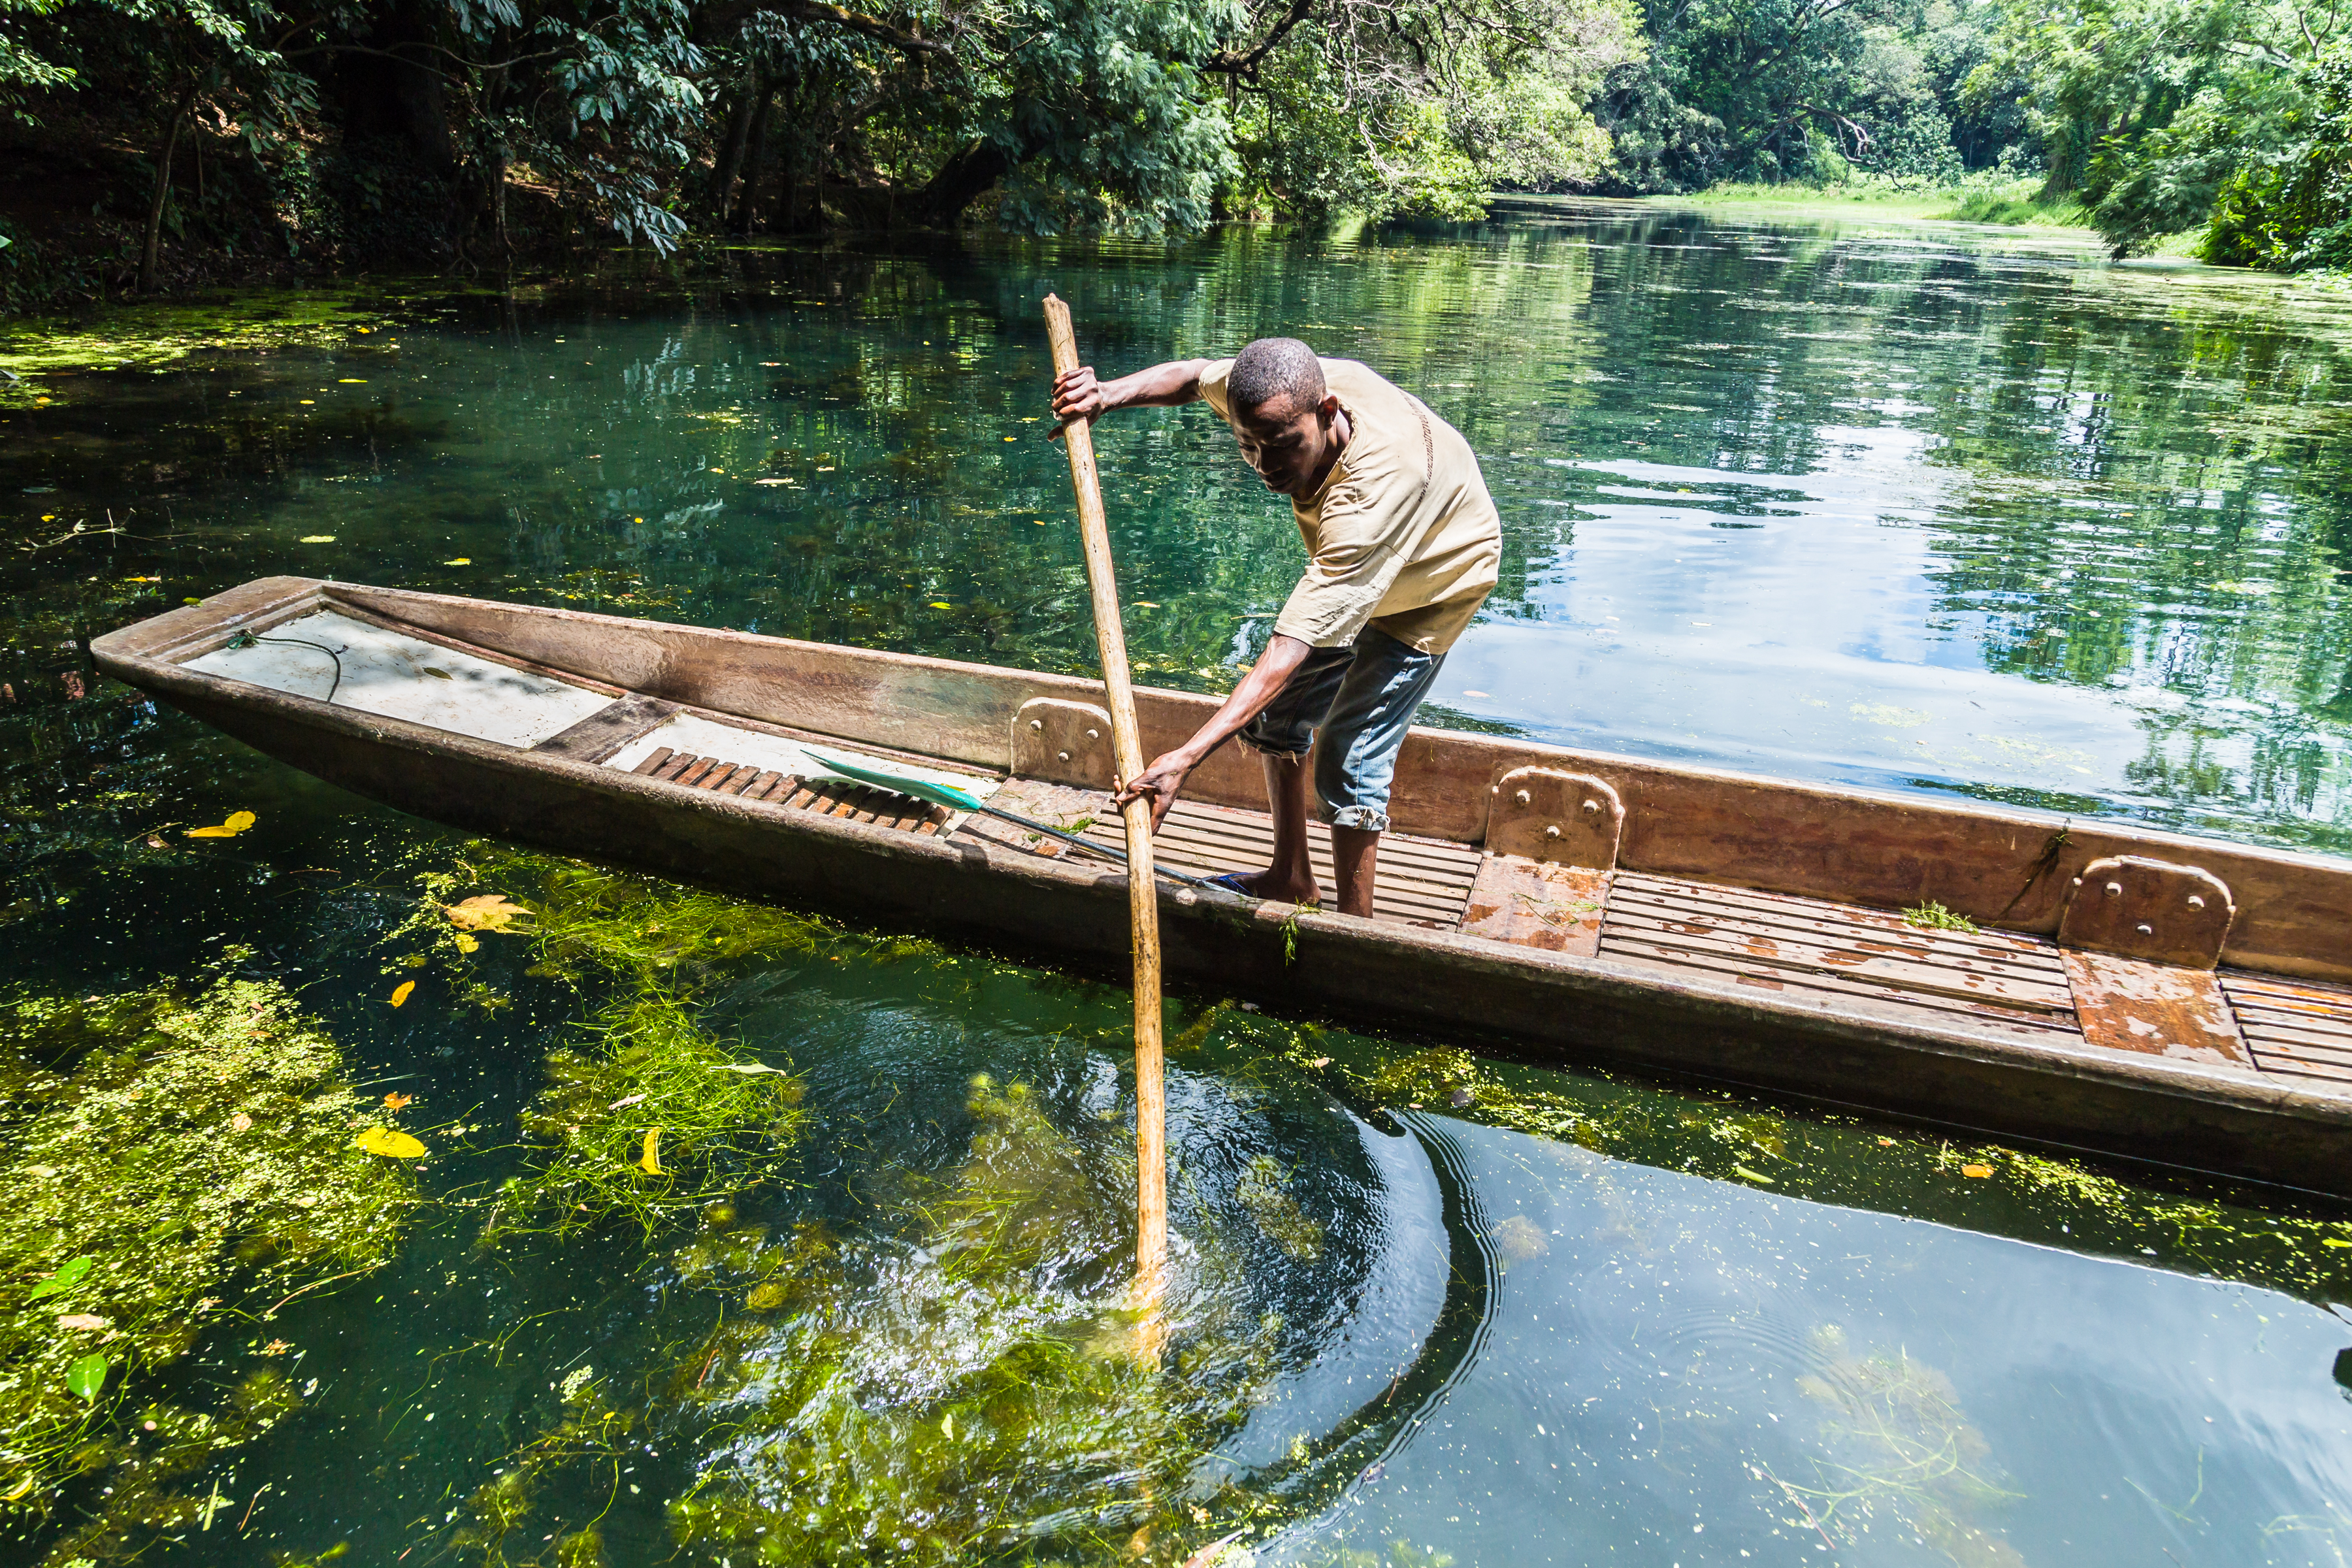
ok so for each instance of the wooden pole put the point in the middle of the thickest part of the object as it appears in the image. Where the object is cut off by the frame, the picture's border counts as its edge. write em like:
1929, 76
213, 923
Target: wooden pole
1142, 893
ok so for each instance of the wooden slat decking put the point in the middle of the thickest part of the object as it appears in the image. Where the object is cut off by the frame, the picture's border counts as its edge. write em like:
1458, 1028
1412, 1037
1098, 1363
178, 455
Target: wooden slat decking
1422, 881
1784, 943
2295, 1028
855, 802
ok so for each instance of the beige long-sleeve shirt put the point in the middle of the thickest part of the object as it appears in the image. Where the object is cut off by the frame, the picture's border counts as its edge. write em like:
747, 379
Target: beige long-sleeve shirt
1402, 535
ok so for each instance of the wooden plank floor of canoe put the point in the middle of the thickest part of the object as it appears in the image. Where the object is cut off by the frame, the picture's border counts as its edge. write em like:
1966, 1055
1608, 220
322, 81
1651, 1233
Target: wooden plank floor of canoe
2295, 1028
831, 798
1422, 881
1808, 945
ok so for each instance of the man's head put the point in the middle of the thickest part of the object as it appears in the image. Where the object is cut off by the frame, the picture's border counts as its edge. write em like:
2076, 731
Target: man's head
1283, 414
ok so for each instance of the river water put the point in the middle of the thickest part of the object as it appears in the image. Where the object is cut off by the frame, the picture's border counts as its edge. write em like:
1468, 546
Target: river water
1898, 505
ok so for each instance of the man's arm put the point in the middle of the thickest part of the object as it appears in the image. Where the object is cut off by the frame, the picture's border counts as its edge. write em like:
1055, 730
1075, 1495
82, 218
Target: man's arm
1163, 780
1078, 396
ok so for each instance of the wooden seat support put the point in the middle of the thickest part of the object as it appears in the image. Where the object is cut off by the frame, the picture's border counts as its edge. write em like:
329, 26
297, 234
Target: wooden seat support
2140, 939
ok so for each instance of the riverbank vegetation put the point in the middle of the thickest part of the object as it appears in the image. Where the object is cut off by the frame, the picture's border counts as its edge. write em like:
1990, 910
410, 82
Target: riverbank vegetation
147, 145
151, 146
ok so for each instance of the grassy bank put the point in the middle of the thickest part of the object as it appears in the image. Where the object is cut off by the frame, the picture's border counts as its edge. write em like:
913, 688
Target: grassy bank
2012, 203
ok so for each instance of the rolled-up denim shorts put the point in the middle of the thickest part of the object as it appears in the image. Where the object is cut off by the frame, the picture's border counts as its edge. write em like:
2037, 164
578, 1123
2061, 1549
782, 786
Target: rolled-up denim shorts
1352, 705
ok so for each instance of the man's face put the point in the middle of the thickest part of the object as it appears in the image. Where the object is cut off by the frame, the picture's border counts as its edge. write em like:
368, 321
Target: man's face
1288, 443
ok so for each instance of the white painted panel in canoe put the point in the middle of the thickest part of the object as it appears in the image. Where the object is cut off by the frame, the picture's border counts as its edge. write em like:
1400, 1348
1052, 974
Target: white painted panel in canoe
398, 677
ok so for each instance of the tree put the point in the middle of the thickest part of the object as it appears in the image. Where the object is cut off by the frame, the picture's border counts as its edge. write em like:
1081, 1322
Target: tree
2147, 109
1417, 107
2294, 210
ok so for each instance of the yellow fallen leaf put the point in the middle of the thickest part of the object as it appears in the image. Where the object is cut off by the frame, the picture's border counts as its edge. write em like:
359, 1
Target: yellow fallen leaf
317, 538
391, 1145
397, 1101
238, 821
467, 942
459, 561
940, 604
399, 992
651, 1162
1976, 1170
484, 912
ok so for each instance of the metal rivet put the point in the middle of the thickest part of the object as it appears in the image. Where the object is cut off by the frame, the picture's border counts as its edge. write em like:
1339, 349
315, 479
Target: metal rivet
1552, 831
2078, 881
1593, 808
1036, 723
1523, 797
1064, 755
2146, 930
1094, 734
2196, 900
2115, 889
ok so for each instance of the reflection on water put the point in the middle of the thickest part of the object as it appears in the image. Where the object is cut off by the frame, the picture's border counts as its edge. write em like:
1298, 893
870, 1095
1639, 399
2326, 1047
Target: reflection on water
1865, 503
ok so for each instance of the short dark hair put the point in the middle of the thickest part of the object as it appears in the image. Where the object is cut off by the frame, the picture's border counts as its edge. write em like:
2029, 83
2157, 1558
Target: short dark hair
1275, 367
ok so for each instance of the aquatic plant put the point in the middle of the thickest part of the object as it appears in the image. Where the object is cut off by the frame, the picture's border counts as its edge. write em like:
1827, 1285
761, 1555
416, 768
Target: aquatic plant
1896, 1445
1262, 1192
1929, 915
972, 1387
181, 1162
650, 1118
962, 1382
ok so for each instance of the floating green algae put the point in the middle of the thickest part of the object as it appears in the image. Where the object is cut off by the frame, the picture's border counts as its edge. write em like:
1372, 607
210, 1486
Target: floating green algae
967, 1380
972, 1387
2216, 1228
182, 1165
156, 336
649, 1117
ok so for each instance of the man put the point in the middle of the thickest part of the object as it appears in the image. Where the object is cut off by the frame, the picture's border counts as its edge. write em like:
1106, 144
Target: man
1402, 543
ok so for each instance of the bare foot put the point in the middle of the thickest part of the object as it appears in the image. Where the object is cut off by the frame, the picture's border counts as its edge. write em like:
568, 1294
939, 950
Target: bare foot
1269, 884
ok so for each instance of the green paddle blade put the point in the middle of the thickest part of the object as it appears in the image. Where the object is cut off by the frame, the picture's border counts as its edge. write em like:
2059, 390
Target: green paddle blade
944, 795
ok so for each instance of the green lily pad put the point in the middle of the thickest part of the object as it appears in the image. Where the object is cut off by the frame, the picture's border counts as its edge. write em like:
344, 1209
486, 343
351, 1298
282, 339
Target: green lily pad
68, 1275
86, 1377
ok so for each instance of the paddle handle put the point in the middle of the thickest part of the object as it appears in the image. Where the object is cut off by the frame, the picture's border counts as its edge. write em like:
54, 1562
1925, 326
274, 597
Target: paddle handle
1142, 892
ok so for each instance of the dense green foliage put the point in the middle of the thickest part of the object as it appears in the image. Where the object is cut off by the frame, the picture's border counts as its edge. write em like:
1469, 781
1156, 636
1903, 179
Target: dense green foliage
459, 131
1811, 89
2148, 110
2158, 118
234, 138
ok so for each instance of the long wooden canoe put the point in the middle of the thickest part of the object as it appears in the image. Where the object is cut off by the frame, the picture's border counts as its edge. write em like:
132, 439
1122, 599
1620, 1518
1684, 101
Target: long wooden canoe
2160, 998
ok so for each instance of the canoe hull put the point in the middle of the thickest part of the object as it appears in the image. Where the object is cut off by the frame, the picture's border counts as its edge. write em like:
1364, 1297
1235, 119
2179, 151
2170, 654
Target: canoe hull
1544, 1007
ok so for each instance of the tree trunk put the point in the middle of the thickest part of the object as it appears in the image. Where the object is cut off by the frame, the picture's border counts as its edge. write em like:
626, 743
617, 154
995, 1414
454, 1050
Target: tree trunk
150, 255
961, 182
739, 131
747, 211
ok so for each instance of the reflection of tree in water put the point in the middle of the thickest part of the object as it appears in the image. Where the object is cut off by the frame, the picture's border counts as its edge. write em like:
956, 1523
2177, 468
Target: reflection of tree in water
1897, 1453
